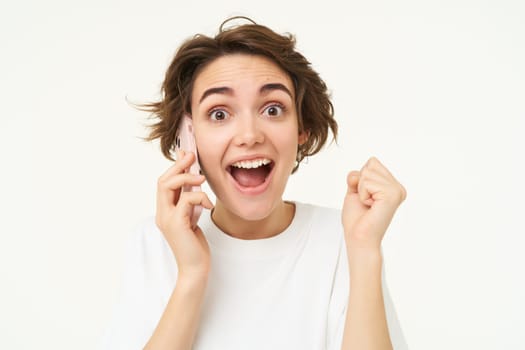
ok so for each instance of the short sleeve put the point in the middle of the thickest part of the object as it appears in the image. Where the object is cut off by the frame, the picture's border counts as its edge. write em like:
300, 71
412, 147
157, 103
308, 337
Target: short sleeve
394, 327
338, 303
340, 296
148, 280
397, 336
126, 328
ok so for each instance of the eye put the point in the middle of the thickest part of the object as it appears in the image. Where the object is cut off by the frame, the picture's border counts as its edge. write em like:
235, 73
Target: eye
274, 110
218, 114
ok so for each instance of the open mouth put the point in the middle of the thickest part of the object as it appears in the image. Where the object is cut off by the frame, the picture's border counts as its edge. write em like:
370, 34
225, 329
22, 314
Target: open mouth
251, 173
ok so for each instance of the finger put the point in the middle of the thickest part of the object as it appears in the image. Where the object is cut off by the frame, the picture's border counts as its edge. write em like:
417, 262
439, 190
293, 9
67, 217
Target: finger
355, 208
370, 184
352, 180
375, 172
355, 178
179, 154
372, 175
179, 180
190, 199
183, 162
363, 188
370, 190
168, 190
375, 165
365, 196
358, 187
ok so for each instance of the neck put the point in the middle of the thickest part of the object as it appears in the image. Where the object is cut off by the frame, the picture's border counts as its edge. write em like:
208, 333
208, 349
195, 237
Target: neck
230, 223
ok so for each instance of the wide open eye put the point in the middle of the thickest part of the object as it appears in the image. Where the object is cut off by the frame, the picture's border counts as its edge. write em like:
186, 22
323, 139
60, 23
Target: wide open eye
273, 110
218, 115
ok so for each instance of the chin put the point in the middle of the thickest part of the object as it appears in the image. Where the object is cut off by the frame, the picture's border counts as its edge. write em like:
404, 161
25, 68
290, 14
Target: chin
257, 211
251, 209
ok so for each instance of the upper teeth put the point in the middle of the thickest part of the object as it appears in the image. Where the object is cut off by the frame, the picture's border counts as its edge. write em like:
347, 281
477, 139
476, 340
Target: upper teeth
249, 164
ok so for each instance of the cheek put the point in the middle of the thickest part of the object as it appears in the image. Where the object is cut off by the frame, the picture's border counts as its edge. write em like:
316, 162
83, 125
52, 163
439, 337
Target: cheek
210, 150
289, 143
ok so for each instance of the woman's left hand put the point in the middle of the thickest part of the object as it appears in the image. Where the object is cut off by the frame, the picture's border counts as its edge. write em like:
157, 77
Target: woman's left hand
372, 198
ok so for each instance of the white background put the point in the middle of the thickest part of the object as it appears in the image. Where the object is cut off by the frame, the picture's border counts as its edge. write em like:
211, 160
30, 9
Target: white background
434, 89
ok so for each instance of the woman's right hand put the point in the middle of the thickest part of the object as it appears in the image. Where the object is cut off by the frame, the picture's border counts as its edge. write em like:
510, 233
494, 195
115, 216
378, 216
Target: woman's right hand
173, 216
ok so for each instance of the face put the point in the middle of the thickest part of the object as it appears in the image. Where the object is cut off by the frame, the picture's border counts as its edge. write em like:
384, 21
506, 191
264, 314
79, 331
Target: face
246, 130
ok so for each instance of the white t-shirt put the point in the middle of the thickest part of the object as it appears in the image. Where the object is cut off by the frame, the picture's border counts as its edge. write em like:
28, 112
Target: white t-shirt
288, 292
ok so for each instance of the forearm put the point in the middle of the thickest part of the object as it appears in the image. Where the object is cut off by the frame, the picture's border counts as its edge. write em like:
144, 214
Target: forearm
178, 324
366, 326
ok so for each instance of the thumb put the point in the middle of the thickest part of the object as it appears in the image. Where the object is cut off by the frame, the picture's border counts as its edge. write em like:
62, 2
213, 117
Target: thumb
352, 181
353, 208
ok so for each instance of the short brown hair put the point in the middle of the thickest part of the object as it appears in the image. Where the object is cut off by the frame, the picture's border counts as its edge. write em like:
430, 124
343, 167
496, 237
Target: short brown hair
314, 108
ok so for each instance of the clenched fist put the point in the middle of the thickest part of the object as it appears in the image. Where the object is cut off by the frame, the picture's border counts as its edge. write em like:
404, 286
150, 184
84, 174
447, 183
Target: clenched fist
372, 198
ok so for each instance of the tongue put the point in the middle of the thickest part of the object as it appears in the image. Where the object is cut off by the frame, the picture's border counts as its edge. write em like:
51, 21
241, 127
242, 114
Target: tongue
249, 177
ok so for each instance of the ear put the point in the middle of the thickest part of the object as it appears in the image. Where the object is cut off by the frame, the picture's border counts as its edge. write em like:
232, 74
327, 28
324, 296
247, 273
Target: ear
303, 137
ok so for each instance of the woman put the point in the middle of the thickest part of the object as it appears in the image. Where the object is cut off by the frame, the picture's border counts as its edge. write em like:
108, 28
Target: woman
257, 272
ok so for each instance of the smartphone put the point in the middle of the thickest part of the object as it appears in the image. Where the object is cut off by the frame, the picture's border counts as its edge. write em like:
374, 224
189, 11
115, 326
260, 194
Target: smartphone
185, 140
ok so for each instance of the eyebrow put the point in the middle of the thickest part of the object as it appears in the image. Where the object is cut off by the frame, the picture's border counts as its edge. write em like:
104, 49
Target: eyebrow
275, 86
266, 88
223, 90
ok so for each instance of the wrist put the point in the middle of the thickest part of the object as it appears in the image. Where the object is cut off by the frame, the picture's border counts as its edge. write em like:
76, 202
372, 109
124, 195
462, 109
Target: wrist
194, 271
192, 280
368, 260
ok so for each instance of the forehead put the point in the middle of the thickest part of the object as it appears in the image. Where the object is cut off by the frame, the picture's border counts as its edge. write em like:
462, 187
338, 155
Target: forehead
237, 70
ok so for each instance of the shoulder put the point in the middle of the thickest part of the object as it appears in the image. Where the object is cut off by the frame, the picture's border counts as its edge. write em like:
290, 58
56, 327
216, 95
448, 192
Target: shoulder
147, 247
319, 210
148, 279
323, 224
145, 236
320, 217
146, 233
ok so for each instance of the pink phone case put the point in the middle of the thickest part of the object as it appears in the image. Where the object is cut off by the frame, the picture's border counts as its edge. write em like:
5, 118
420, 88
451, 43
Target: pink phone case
185, 141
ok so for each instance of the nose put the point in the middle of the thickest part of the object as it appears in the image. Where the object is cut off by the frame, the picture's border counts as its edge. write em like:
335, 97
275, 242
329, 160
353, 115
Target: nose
248, 131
